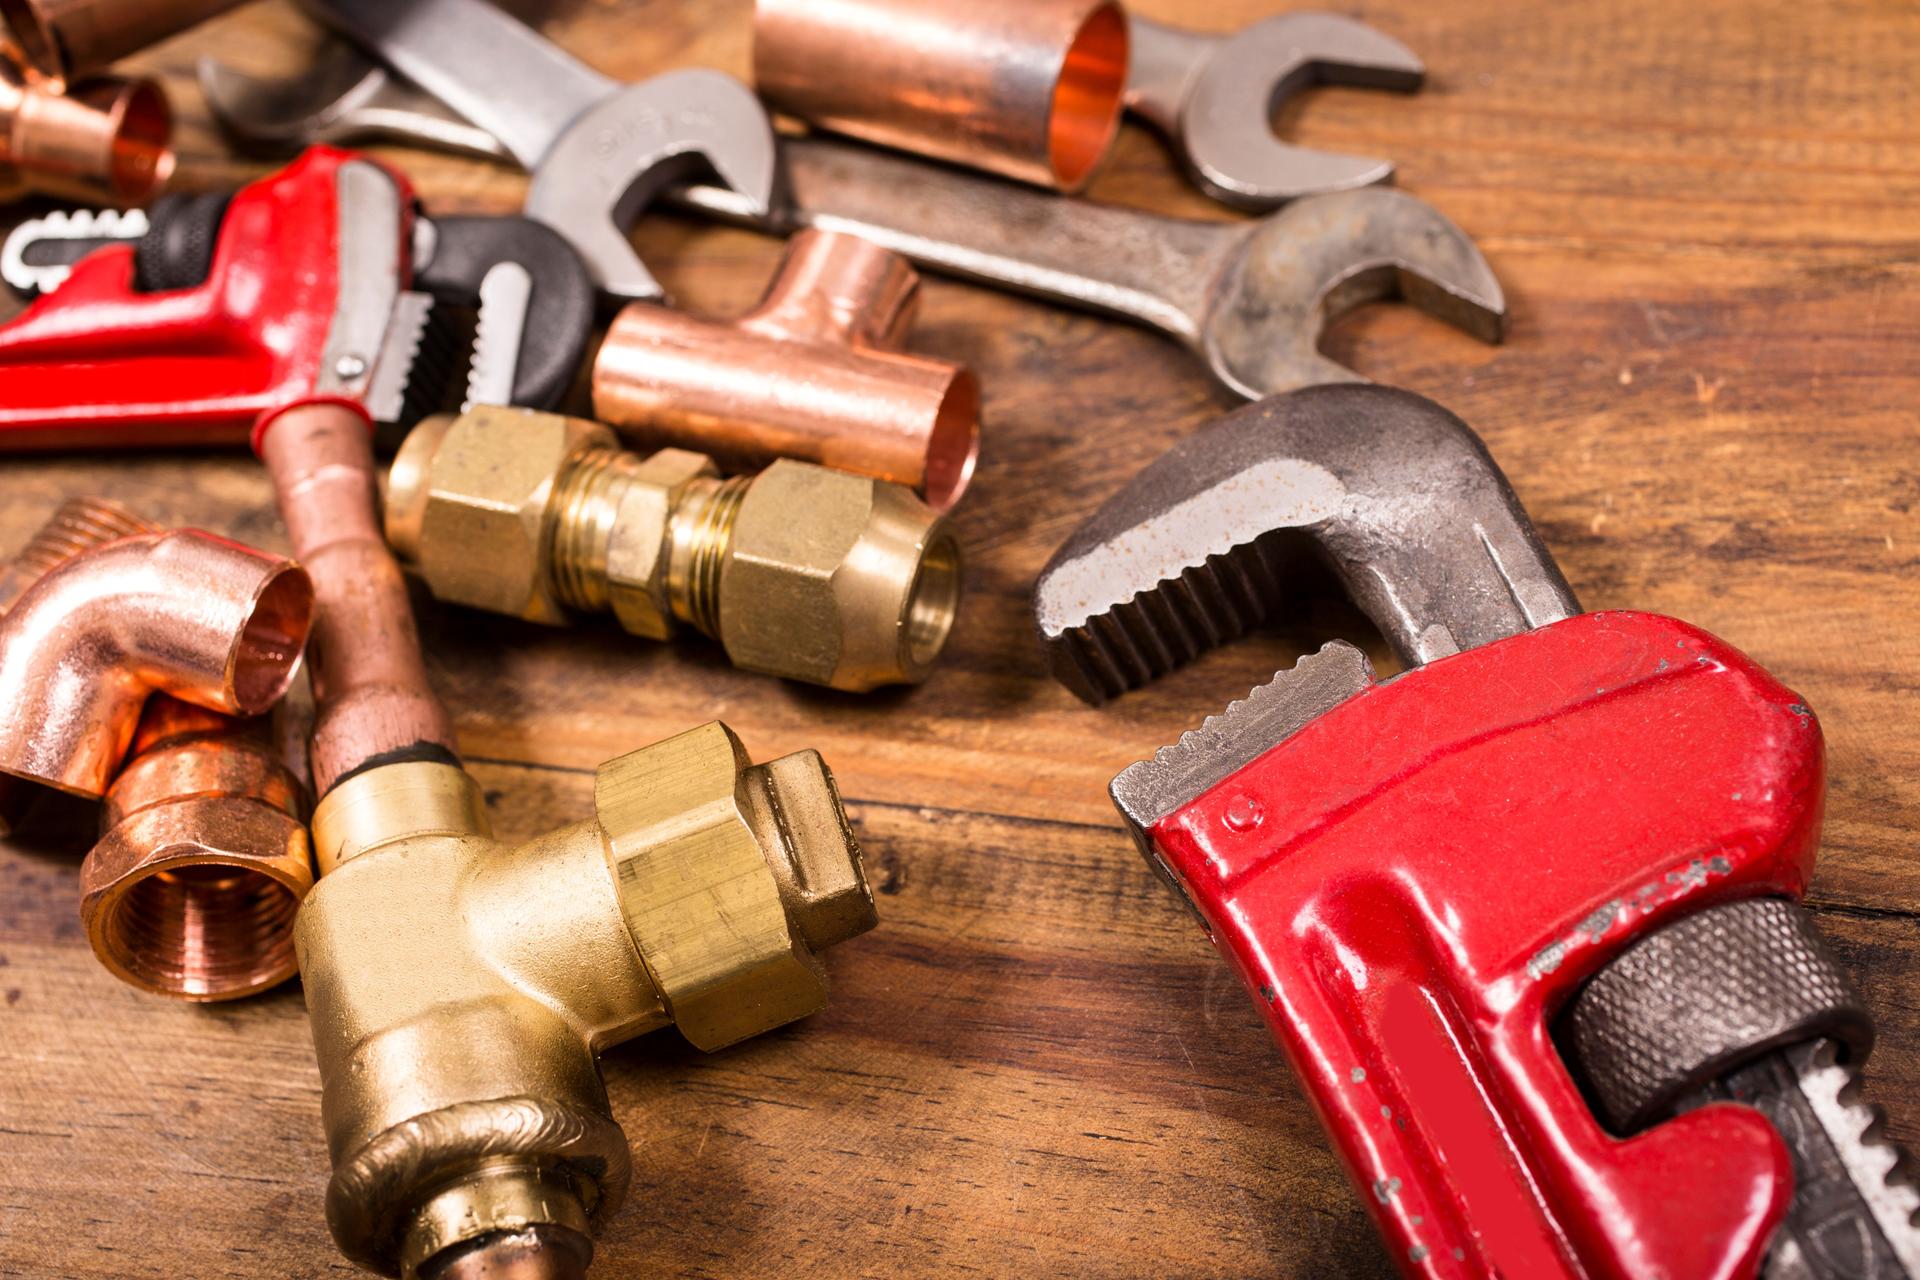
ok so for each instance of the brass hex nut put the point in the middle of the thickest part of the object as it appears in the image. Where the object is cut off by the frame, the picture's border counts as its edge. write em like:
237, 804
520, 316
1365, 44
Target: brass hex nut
638, 549
483, 521
693, 847
837, 579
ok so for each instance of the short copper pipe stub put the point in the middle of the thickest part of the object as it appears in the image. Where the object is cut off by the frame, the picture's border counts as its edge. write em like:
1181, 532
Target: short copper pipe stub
1031, 89
67, 39
105, 139
192, 890
814, 372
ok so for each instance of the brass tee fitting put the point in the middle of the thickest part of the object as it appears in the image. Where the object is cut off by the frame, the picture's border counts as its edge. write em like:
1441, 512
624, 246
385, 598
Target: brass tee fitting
103, 140
815, 372
798, 571
460, 989
192, 888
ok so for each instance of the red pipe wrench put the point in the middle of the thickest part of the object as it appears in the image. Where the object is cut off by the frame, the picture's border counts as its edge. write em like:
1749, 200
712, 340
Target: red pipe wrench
318, 283
1523, 917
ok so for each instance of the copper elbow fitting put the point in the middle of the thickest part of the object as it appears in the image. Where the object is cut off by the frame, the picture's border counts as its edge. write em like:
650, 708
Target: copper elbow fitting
374, 702
67, 39
798, 571
1031, 89
815, 372
183, 613
192, 890
103, 140
460, 988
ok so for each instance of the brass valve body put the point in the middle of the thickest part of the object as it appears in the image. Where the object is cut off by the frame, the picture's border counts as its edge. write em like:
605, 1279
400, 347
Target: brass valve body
459, 989
798, 571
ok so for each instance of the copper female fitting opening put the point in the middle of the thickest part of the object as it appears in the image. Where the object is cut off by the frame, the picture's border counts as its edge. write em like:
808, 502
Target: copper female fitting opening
67, 39
814, 372
191, 892
184, 613
1031, 89
101, 140
369, 681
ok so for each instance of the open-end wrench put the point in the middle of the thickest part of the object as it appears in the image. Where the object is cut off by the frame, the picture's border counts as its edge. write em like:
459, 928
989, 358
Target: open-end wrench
1213, 96
598, 150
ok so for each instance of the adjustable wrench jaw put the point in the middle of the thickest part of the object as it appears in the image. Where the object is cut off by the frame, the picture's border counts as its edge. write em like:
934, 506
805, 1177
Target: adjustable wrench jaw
300, 305
1214, 98
1413, 877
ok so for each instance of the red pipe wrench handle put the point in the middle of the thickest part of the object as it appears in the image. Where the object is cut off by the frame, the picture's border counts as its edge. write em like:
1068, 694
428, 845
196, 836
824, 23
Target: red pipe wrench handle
1416, 881
98, 362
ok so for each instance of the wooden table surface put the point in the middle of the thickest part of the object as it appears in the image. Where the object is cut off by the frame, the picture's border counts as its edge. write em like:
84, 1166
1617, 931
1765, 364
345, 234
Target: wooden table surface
1707, 219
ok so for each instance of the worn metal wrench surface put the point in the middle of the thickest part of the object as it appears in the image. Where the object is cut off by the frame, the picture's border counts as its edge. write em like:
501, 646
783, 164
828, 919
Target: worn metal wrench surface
598, 150
1250, 298
1214, 96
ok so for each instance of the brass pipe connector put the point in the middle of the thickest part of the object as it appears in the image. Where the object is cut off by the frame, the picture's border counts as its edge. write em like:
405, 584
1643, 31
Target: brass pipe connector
204, 857
799, 571
814, 372
460, 989
104, 140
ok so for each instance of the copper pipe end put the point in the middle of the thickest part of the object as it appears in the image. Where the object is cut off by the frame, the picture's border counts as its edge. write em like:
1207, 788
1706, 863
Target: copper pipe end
192, 890
66, 39
184, 613
101, 140
1031, 89
372, 697
814, 372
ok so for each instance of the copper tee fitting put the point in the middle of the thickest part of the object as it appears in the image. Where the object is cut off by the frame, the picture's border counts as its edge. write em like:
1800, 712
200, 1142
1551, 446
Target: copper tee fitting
103, 140
1031, 89
461, 988
798, 571
815, 372
204, 858
183, 613
374, 702
67, 39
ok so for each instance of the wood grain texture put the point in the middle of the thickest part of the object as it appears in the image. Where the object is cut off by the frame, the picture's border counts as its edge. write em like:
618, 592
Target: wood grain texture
1705, 219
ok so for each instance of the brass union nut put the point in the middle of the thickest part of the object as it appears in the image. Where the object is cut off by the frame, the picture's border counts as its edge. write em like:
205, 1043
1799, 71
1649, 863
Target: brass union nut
731, 875
837, 579
469, 502
639, 552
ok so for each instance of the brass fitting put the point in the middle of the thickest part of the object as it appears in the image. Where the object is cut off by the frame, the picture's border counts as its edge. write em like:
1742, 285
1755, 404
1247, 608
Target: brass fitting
802, 572
191, 890
815, 372
460, 989
103, 140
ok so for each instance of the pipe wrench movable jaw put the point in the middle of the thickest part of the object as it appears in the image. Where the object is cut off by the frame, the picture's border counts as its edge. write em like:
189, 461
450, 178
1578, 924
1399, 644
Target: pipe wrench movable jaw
1524, 916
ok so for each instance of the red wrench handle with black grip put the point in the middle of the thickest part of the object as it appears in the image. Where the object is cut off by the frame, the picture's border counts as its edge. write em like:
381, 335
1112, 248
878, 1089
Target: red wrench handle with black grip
1524, 917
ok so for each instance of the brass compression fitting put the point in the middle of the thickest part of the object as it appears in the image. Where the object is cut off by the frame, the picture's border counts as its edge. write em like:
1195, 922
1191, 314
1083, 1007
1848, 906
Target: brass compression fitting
461, 987
798, 571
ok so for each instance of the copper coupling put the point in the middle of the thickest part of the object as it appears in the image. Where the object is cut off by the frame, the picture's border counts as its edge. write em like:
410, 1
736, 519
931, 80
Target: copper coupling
104, 140
69, 39
814, 372
798, 571
204, 857
1031, 89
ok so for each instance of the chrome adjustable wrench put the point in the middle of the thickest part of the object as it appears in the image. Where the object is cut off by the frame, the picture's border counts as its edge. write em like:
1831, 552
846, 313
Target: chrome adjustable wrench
1524, 917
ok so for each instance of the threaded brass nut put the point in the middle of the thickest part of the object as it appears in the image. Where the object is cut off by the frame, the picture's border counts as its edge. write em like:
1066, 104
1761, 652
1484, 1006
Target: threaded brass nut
469, 504
727, 873
837, 579
639, 559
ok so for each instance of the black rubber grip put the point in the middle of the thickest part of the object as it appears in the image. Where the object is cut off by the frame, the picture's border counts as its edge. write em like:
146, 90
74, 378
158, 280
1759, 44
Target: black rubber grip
177, 251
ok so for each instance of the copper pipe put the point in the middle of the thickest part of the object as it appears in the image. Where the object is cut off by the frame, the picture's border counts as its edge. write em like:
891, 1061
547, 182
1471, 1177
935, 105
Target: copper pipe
72, 38
184, 613
191, 892
374, 702
1030, 89
814, 372
100, 140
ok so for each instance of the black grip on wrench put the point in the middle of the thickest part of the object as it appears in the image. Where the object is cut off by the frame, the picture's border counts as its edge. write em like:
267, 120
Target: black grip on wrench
560, 306
177, 250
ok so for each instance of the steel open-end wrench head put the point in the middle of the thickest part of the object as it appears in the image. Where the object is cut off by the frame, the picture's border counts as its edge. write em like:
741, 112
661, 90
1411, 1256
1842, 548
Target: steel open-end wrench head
1310, 263
1220, 117
593, 183
1395, 494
